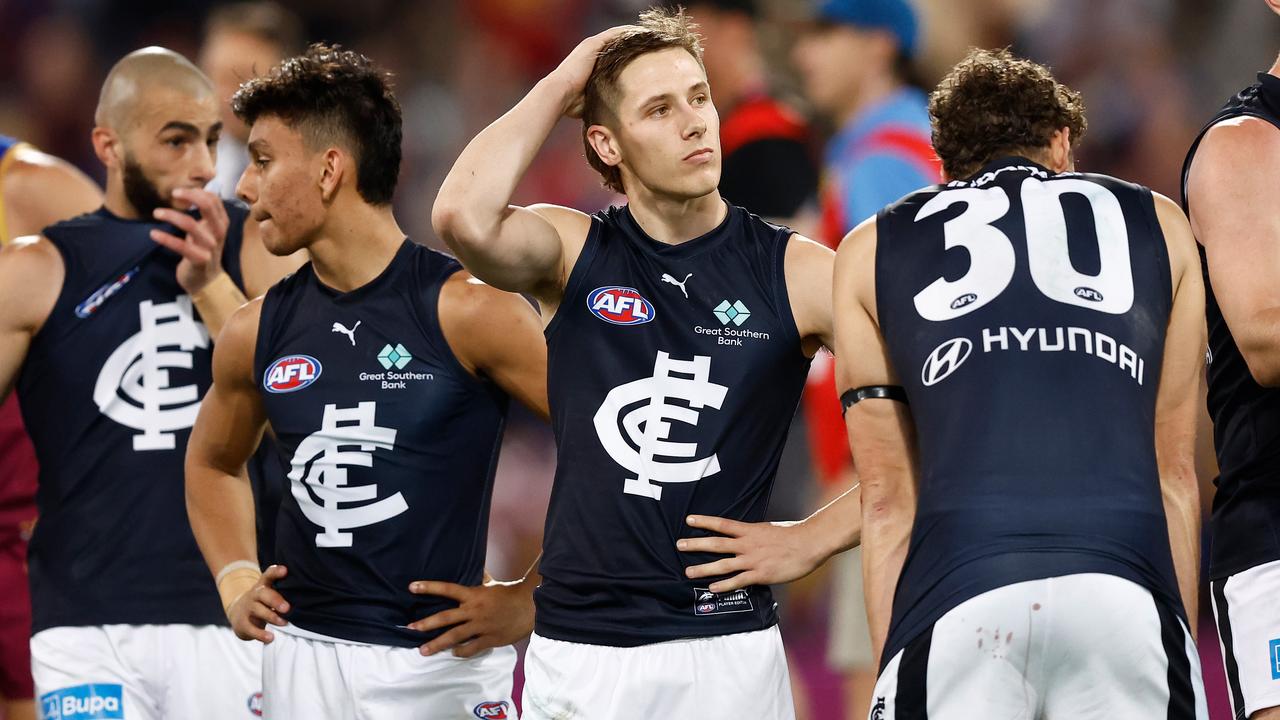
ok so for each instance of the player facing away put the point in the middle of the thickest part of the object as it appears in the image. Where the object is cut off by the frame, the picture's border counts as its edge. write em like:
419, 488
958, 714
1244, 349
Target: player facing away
106, 322
1031, 544
384, 372
36, 189
1227, 177
679, 333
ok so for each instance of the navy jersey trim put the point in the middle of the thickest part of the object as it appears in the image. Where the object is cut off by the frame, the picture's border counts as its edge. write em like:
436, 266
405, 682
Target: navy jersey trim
581, 267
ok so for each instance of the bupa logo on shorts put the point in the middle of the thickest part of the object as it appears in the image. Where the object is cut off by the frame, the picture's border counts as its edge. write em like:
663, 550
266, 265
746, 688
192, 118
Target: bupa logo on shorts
97, 298
709, 603
491, 710
944, 360
290, 373
1275, 659
84, 702
620, 305
255, 704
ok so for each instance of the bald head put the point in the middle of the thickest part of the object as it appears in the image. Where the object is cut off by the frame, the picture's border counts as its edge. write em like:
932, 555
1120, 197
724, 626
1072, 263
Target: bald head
141, 74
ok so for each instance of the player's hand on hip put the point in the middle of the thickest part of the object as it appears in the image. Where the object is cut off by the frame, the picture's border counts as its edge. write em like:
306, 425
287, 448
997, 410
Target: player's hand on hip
487, 616
762, 553
201, 248
258, 607
576, 68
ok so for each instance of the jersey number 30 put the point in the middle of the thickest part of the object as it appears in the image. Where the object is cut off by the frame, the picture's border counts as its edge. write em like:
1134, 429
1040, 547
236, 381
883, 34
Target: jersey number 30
992, 260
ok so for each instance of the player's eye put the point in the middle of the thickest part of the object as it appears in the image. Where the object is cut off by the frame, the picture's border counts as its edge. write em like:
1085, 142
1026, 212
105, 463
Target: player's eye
659, 111
700, 100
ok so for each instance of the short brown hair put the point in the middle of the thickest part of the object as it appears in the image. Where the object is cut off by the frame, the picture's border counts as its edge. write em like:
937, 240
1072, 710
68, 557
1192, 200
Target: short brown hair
993, 103
657, 29
266, 20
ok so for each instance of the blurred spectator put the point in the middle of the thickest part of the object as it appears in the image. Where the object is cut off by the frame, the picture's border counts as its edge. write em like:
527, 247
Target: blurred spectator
242, 41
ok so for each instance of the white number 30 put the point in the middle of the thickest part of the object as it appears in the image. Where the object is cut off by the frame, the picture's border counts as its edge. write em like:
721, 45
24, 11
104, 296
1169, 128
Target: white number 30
992, 260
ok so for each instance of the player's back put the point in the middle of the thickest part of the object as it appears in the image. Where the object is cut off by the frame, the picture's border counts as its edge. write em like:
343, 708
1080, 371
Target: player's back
1025, 312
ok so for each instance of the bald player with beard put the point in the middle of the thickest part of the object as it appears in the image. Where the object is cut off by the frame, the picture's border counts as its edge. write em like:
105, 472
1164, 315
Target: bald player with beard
106, 328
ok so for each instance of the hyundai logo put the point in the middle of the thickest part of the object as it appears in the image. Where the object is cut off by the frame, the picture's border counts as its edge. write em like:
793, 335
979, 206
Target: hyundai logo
944, 360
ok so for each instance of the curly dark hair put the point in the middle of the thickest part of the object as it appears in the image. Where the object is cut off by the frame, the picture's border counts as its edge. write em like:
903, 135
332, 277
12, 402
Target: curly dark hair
994, 103
657, 29
334, 96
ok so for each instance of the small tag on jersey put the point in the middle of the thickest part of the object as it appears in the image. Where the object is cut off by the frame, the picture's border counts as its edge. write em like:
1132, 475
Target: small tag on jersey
1275, 659
709, 603
97, 298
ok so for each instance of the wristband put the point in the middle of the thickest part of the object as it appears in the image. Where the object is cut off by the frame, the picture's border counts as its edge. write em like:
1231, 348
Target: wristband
221, 288
235, 579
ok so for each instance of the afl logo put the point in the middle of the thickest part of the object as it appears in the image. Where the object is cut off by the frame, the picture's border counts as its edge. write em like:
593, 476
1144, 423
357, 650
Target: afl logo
255, 704
292, 372
963, 300
1088, 293
491, 710
620, 306
944, 360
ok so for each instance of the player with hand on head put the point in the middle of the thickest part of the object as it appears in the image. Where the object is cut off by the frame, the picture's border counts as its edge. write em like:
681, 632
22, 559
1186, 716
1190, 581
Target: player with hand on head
384, 372
679, 331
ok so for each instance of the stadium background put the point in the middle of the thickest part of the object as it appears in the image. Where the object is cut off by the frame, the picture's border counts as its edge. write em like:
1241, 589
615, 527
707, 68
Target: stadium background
1151, 71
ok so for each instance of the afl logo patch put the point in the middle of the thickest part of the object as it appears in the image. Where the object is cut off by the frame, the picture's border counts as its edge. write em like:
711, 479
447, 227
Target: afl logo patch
292, 372
491, 710
620, 305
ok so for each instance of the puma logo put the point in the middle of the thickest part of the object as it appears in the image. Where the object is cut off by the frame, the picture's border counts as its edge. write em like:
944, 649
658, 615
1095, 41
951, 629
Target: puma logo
678, 283
351, 334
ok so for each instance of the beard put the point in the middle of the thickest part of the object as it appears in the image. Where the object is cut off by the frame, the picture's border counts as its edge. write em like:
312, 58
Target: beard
142, 194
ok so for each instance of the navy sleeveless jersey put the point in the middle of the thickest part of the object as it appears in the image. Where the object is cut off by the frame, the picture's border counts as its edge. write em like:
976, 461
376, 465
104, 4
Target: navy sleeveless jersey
391, 444
673, 375
1025, 313
109, 390
1244, 530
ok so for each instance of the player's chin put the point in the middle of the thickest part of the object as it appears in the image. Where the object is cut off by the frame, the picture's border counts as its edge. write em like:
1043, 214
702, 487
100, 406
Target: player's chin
274, 241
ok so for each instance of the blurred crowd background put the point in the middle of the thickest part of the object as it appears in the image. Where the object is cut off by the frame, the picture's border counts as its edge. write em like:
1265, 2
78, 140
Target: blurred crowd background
1151, 72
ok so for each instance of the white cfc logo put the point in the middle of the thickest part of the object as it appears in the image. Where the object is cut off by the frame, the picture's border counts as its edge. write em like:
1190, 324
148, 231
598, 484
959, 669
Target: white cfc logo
133, 386
319, 479
648, 426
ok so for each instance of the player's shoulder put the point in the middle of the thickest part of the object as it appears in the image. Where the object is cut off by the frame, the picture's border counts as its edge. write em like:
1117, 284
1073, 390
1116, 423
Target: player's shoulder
1237, 144
242, 327
568, 222
30, 256
468, 301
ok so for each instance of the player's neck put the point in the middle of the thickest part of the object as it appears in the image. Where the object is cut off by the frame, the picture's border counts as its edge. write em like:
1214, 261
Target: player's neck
355, 246
117, 203
673, 221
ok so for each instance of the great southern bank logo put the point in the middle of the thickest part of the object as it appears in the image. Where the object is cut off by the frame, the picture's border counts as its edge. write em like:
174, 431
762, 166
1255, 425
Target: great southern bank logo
620, 305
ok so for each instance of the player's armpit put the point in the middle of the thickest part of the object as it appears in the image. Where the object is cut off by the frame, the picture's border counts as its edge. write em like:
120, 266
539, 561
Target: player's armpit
808, 269
1241, 236
1177, 402
497, 335
226, 432
31, 276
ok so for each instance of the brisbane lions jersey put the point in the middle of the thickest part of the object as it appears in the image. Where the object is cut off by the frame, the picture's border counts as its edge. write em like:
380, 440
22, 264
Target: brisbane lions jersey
391, 447
673, 375
1025, 313
1246, 416
110, 388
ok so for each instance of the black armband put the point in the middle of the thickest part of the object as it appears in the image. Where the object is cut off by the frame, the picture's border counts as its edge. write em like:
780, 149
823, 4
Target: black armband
870, 392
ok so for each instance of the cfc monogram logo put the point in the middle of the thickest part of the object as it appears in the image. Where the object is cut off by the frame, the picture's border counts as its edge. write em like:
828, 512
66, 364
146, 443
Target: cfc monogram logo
636, 435
318, 476
133, 387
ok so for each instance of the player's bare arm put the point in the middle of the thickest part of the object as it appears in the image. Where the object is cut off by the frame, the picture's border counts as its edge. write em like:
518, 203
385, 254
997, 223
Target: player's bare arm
1178, 401
200, 271
31, 275
513, 248
40, 189
1241, 236
496, 335
881, 434
219, 499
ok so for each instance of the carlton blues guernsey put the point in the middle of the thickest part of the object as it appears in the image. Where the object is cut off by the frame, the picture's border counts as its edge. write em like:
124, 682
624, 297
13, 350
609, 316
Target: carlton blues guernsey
391, 446
673, 375
110, 388
1025, 313
1245, 526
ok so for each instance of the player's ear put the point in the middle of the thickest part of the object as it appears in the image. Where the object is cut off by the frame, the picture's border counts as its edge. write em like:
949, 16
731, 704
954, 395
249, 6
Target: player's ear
1060, 150
605, 144
1274, 5
333, 166
106, 145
